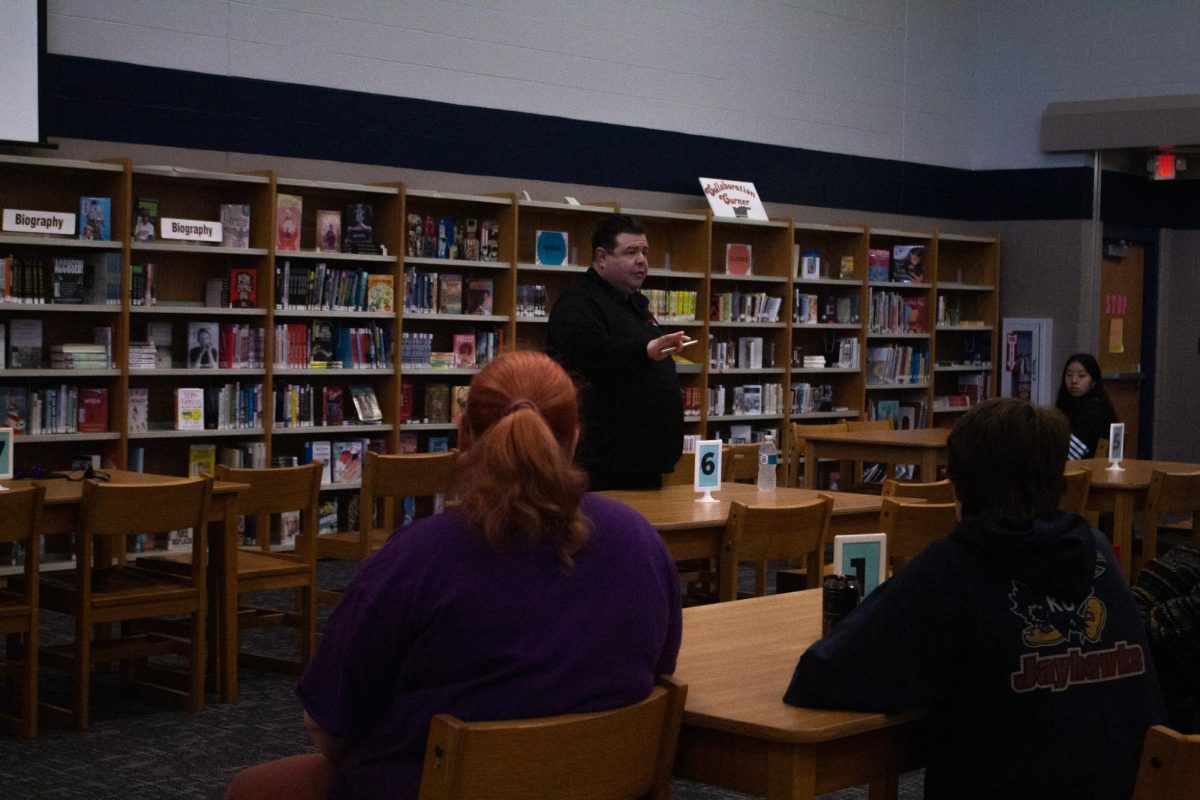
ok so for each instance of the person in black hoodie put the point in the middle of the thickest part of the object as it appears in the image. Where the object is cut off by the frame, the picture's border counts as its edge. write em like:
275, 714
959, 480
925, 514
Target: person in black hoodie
1017, 633
1082, 398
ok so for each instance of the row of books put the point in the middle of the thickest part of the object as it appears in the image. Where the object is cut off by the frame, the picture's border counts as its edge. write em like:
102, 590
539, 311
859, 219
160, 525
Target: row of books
807, 398
746, 353
446, 237
96, 279
65, 408
434, 293
531, 300
324, 344
745, 307
693, 400
342, 459
672, 305
323, 288
903, 414
893, 312
741, 433
210, 345
303, 405
441, 402
897, 364
904, 263
825, 308
470, 350
748, 399
230, 406
350, 230
843, 354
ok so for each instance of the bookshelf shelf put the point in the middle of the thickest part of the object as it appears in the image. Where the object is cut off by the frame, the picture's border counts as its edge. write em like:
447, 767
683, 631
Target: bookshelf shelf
57, 242
59, 374
52, 438
336, 257
196, 249
328, 430
165, 309
206, 433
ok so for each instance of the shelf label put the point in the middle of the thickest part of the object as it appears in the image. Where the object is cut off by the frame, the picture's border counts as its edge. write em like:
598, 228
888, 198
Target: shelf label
191, 230
20, 220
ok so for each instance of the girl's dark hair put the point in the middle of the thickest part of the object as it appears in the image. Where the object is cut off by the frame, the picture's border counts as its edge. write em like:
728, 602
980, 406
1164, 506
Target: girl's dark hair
1066, 403
516, 483
1006, 460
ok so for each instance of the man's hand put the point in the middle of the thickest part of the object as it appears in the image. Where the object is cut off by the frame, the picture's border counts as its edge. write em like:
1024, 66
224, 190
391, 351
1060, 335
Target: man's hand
655, 347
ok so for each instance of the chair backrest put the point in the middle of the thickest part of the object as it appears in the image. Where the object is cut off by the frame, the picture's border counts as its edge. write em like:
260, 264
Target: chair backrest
799, 431
1170, 767
623, 753
275, 491
911, 525
1168, 493
757, 533
387, 479
743, 463
1101, 449
931, 491
126, 509
684, 473
885, 424
21, 522
1076, 484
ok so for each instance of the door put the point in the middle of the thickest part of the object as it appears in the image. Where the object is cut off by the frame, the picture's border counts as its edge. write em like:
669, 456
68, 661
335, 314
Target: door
1120, 356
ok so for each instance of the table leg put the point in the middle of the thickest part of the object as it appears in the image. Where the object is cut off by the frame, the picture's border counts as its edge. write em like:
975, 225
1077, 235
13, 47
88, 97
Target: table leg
810, 464
928, 465
791, 772
225, 566
1123, 505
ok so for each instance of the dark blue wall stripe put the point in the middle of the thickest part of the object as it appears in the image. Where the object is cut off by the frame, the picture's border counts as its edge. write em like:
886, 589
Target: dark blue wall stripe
120, 102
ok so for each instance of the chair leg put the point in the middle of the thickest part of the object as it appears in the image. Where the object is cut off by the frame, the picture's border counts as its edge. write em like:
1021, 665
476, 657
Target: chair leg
196, 678
307, 600
29, 682
81, 673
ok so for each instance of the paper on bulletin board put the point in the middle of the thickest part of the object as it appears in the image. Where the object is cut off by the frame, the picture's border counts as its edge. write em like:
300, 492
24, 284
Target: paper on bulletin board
1116, 335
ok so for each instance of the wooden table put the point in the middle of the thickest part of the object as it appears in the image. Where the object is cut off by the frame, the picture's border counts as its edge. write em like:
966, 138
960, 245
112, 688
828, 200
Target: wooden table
1123, 493
694, 530
61, 515
925, 447
737, 659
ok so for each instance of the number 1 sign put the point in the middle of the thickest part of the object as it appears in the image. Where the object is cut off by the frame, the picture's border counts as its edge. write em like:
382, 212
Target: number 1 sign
862, 556
708, 469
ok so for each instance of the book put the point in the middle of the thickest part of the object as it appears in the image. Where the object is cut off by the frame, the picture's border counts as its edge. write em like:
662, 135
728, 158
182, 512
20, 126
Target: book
25, 343
159, 333
68, 282
235, 224
888, 409
810, 265
202, 460
464, 351
334, 413
739, 259
289, 210
437, 402
243, 287
878, 266
93, 410
450, 294
381, 293
439, 444
347, 459
203, 344
366, 405
320, 450
406, 401
189, 409
138, 415
327, 514
479, 295
358, 222
95, 218
4, 346
329, 231
106, 280
458, 405
14, 400
408, 442
321, 343
739, 434
908, 263
846, 269
550, 248
145, 219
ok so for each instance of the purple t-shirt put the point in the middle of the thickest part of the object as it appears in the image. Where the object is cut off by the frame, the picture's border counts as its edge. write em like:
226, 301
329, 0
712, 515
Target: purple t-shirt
439, 622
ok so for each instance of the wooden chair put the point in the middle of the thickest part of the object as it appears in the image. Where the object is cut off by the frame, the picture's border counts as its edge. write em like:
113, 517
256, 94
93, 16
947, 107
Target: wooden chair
272, 493
762, 533
103, 590
685, 468
743, 463
1076, 484
799, 431
387, 480
1168, 493
931, 492
623, 753
21, 523
853, 476
1101, 449
1170, 766
911, 525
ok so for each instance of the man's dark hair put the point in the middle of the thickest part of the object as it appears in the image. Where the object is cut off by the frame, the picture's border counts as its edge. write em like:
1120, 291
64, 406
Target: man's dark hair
612, 226
1006, 460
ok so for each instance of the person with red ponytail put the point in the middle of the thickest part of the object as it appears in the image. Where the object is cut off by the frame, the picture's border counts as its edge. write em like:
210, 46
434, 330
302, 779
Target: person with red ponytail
527, 598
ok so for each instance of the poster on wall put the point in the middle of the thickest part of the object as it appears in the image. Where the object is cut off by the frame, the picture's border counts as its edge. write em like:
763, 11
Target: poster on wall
1025, 368
733, 199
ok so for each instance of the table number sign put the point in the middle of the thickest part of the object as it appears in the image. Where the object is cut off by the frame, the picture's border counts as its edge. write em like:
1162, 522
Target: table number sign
862, 556
6, 455
707, 476
1116, 446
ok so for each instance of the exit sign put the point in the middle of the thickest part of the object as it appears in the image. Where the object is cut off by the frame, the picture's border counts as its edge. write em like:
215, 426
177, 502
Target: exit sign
1164, 167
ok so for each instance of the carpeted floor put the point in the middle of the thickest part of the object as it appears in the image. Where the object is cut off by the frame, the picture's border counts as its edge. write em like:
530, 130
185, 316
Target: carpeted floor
142, 750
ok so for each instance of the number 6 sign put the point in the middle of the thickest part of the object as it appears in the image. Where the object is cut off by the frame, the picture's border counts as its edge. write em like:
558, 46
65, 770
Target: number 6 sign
708, 469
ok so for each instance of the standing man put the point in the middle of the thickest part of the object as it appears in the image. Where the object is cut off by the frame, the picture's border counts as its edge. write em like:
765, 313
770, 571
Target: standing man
602, 332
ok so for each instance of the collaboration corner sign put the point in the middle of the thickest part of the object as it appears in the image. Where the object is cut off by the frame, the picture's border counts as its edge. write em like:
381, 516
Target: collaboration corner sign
733, 199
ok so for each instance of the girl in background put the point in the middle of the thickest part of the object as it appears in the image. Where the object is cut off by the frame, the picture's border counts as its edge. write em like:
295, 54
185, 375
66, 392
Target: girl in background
1082, 398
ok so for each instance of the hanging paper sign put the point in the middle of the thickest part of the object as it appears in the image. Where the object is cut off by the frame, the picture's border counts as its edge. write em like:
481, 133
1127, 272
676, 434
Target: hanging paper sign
733, 199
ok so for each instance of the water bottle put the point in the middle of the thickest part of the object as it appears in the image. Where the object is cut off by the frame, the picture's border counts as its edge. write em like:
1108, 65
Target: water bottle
768, 457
